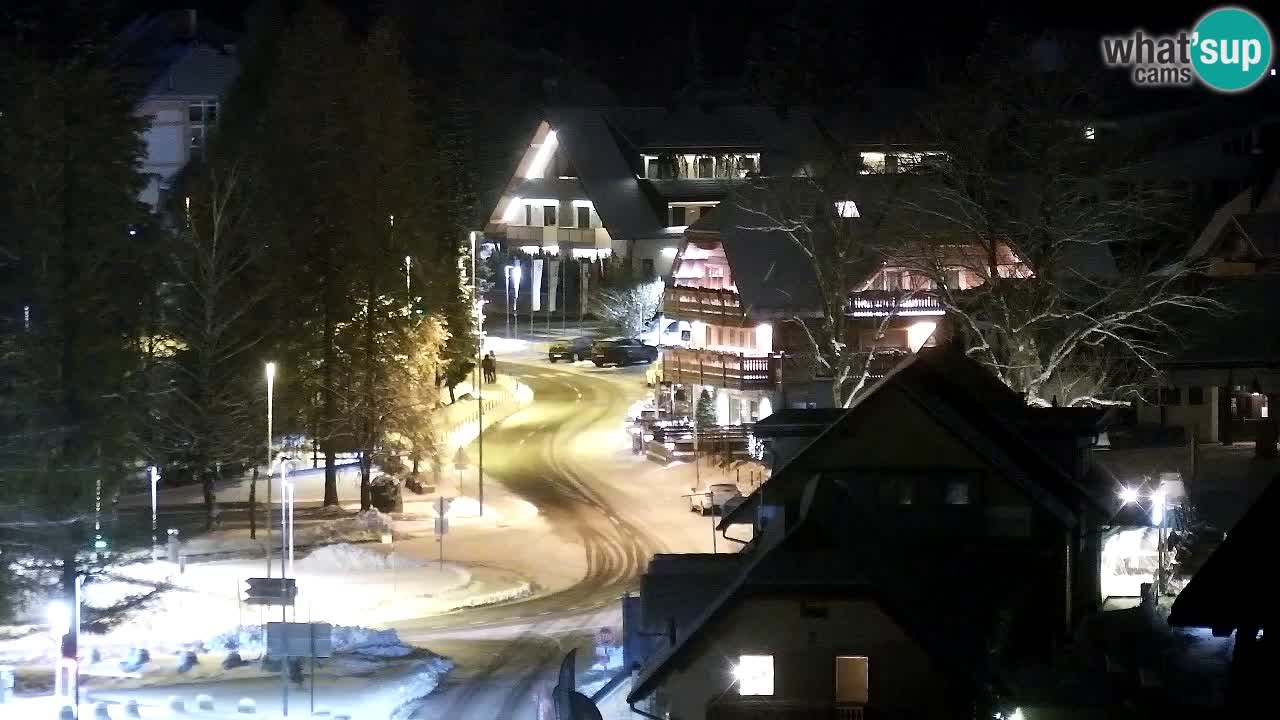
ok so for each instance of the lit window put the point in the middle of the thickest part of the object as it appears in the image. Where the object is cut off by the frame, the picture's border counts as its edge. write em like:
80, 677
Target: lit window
852, 680
754, 674
847, 209
1089, 132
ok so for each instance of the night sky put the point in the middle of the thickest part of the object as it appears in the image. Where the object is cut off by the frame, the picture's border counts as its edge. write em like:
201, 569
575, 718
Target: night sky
640, 49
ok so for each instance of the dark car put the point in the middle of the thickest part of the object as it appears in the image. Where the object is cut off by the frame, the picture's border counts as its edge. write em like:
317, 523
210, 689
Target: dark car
622, 352
578, 348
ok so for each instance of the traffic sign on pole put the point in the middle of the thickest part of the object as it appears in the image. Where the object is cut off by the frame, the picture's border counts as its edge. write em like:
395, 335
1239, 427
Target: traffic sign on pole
271, 591
460, 459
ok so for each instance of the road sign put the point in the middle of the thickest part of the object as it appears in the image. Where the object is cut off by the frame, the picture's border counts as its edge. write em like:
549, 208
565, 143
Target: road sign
286, 639
460, 460
442, 526
271, 591
442, 506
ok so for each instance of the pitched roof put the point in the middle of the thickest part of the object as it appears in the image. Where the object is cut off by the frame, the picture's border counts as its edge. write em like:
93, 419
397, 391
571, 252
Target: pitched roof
1224, 594
196, 71
970, 403
791, 568
612, 185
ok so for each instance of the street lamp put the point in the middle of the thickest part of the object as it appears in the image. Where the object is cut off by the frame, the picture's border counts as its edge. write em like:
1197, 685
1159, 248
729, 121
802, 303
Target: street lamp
478, 303
155, 481
408, 291
286, 517
515, 295
271, 380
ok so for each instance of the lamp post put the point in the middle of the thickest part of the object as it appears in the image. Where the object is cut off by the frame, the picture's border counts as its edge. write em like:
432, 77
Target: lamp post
271, 379
155, 481
478, 303
287, 488
515, 295
506, 289
408, 291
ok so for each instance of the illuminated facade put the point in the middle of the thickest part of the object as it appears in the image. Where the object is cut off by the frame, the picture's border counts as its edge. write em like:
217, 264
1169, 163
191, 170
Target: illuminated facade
627, 182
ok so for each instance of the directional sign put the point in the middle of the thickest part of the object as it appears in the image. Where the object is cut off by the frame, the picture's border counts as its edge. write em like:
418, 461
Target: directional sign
271, 591
285, 639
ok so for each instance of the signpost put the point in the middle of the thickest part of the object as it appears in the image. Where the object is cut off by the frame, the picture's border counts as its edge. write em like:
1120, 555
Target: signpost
271, 591
461, 462
442, 523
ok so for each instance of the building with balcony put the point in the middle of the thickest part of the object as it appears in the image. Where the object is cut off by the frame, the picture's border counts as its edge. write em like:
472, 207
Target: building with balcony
750, 296
1222, 384
183, 67
833, 610
626, 182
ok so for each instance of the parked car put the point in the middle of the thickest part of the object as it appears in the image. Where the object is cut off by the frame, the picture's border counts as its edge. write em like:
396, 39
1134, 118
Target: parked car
665, 332
622, 352
717, 499
578, 348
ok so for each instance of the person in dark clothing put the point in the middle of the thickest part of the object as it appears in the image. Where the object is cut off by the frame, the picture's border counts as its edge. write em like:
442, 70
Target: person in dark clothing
490, 367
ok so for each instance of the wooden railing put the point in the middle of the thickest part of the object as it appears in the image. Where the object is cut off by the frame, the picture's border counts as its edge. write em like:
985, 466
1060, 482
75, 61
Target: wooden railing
719, 307
878, 303
718, 369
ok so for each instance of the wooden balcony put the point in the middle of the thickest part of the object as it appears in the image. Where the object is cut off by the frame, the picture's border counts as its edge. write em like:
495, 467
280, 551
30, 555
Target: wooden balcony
716, 307
879, 303
719, 369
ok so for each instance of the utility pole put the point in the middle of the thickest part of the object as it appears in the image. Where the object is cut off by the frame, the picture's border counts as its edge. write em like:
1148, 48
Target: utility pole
478, 304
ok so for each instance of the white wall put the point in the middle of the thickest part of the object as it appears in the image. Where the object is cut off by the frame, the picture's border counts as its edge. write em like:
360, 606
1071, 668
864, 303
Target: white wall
804, 648
1202, 418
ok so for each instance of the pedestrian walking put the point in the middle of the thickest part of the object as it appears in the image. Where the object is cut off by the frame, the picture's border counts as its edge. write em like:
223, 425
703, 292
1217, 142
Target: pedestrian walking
490, 367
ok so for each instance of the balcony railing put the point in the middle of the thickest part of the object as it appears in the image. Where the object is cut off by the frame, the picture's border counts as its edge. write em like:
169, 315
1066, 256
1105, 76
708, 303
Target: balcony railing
719, 307
595, 238
878, 303
719, 369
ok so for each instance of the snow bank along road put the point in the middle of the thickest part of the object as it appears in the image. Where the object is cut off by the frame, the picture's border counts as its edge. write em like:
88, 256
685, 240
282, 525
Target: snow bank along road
553, 454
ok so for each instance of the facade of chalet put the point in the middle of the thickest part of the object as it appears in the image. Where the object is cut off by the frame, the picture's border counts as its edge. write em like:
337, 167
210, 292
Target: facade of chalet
626, 182
1223, 384
886, 567
748, 292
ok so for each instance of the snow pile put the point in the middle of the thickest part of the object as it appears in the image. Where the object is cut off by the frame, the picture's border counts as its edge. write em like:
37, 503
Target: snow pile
345, 557
366, 642
422, 680
364, 525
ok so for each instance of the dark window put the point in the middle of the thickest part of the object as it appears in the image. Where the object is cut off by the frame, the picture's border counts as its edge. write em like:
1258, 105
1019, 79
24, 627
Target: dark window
1170, 396
1195, 395
957, 492
706, 167
549, 215
646, 267
584, 216
953, 279
528, 214
897, 491
677, 214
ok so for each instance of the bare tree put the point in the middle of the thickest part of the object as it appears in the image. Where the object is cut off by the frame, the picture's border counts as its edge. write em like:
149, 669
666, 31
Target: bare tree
1032, 232
844, 241
631, 307
209, 422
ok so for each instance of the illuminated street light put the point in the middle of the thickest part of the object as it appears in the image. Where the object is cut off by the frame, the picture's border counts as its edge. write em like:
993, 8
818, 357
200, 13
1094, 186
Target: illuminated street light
155, 482
271, 380
1129, 495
